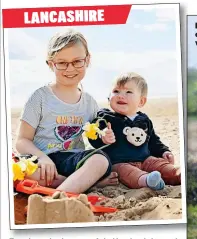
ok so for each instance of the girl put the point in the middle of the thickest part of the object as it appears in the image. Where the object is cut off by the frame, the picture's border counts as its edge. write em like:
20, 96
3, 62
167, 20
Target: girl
53, 117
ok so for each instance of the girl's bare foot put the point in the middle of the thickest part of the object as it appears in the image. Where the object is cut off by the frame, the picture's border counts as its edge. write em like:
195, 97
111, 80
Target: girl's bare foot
111, 180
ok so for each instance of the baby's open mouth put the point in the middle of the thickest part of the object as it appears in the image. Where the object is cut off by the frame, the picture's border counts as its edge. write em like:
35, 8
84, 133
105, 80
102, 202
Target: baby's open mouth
121, 103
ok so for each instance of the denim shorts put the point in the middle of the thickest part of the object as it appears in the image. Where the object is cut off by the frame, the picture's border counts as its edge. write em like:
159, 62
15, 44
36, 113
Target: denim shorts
67, 162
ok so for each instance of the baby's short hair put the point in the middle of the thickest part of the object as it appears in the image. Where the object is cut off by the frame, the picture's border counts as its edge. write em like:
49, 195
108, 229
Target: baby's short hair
137, 79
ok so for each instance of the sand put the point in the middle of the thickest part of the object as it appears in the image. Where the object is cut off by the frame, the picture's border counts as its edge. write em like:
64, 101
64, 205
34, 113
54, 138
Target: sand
58, 209
143, 204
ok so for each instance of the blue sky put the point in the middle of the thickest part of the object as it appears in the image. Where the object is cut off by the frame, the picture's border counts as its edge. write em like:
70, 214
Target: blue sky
146, 44
192, 47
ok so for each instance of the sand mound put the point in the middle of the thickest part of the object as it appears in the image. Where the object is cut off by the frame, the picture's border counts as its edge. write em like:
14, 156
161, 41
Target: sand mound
144, 204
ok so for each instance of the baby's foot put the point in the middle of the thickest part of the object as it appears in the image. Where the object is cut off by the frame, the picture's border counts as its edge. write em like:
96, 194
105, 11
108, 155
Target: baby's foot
111, 180
154, 181
160, 185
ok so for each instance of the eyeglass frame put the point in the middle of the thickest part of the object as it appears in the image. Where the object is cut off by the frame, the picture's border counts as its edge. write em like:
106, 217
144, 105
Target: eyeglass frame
72, 63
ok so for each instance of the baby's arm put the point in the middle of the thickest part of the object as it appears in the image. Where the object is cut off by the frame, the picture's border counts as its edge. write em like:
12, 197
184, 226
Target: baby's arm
156, 147
97, 143
169, 156
109, 137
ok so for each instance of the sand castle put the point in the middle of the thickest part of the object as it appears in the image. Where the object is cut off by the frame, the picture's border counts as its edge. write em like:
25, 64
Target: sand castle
58, 209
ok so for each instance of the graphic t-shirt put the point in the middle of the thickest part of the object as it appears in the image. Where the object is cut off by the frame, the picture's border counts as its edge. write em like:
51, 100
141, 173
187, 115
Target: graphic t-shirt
58, 124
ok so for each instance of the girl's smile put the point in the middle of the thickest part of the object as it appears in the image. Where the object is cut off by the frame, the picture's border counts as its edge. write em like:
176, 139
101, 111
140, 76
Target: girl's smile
71, 76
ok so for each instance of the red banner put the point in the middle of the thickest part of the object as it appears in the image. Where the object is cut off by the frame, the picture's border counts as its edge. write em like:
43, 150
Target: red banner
65, 16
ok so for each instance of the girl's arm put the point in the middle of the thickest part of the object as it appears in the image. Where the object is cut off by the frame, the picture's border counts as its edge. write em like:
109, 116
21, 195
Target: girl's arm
24, 142
25, 145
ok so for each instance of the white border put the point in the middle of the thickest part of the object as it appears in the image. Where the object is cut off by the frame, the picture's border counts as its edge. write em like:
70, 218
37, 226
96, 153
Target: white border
8, 124
100, 224
181, 117
182, 154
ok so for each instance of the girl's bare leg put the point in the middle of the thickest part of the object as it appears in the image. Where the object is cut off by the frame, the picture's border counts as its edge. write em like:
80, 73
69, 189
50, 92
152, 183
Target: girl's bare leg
111, 180
82, 179
36, 176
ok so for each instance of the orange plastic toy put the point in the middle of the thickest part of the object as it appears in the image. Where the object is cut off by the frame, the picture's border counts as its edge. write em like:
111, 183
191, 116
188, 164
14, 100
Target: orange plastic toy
30, 187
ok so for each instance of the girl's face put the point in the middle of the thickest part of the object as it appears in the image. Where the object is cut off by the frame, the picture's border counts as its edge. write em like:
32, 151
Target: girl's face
69, 65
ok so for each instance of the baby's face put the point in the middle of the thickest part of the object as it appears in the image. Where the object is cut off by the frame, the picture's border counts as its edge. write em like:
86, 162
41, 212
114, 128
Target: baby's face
126, 99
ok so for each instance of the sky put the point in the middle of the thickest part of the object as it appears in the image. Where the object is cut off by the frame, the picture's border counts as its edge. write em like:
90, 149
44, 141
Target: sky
192, 37
146, 44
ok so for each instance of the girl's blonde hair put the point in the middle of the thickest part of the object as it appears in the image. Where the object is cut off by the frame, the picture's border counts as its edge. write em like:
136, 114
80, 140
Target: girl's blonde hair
65, 39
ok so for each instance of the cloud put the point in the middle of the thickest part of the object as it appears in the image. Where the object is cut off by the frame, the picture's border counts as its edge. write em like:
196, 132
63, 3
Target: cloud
24, 46
163, 17
161, 12
152, 27
165, 14
125, 60
25, 76
158, 67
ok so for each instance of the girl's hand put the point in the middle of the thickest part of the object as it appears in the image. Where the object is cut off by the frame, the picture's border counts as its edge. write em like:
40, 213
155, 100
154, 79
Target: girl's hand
109, 137
48, 169
169, 156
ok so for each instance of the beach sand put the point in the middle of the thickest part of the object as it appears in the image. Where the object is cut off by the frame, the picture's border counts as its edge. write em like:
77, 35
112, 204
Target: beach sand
143, 204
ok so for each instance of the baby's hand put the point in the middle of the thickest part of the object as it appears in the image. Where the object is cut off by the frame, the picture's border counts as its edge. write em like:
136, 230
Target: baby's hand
169, 156
109, 137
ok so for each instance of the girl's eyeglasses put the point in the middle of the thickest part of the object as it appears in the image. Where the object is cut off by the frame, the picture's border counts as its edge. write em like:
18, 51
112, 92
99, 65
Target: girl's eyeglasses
64, 65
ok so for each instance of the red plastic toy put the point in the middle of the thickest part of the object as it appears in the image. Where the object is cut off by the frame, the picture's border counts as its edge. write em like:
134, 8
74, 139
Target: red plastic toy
30, 187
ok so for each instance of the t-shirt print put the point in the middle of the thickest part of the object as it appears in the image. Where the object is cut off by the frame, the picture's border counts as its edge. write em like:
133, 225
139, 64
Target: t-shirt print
68, 131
